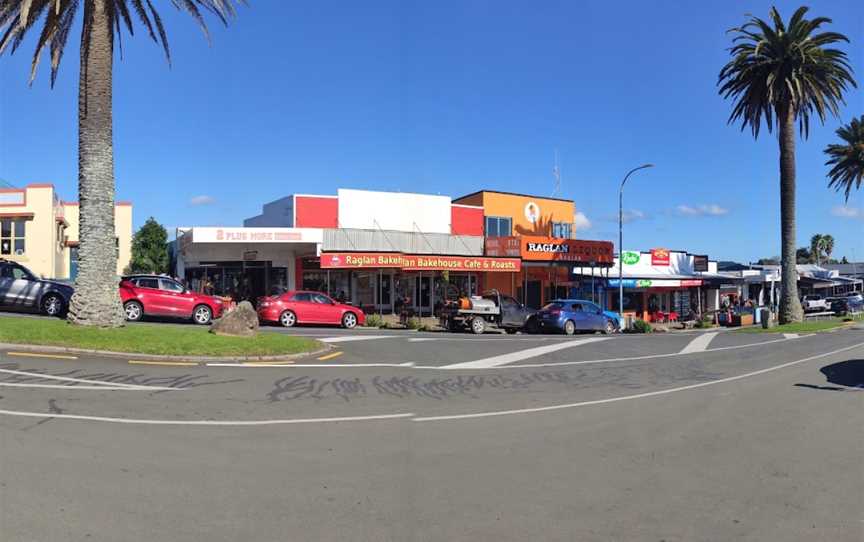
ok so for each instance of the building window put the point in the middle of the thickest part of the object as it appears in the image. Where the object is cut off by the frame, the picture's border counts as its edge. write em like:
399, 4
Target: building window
12, 236
73, 263
498, 226
562, 230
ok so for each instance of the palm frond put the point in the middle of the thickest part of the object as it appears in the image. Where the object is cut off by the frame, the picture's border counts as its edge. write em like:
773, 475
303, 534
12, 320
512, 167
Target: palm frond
18, 17
775, 66
847, 159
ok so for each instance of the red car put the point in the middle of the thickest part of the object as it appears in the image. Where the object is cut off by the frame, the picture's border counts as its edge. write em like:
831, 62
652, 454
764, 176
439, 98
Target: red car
154, 295
293, 308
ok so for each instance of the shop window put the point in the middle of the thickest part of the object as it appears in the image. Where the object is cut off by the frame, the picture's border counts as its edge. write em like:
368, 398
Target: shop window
498, 226
73, 263
12, 234
562, 230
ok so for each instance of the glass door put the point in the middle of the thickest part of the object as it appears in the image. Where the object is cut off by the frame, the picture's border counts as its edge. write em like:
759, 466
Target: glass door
423, 294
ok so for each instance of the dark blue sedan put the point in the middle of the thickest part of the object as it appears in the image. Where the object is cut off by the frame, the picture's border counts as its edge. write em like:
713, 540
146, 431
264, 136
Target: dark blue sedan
574, 315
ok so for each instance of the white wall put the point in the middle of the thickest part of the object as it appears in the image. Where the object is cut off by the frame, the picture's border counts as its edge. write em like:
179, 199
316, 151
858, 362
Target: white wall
396, 211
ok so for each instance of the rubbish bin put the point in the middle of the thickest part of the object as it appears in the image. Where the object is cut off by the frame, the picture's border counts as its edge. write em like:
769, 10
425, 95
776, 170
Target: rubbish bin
765, 316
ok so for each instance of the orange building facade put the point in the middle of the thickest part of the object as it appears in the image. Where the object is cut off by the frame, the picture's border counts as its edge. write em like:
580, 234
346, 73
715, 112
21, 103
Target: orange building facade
541, 232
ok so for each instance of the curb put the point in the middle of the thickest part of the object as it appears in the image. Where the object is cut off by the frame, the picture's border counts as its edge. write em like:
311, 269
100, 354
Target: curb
156, 357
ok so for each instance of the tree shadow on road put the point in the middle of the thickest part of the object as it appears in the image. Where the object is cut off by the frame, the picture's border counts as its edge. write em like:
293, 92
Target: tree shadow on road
849, 374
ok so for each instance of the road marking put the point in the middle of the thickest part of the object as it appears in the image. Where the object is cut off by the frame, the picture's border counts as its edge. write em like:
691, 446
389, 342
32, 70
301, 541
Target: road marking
69, 387
330, 356
35, 355
168, 363
331, 340
791, 335
85, 381
636, 396
632, 358
420, 339
141, 421
699, 344
283, 363
504, 359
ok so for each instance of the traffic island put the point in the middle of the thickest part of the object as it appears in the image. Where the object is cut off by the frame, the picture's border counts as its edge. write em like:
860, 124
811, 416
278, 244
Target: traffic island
812, 326
154, 341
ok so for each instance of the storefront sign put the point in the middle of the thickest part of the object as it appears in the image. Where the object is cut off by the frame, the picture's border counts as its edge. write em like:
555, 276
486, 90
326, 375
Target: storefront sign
655, 283
503, 246
569, 250
250, 255
630, 257
417, 262
700, 264
659, 256
532, 212
256, 235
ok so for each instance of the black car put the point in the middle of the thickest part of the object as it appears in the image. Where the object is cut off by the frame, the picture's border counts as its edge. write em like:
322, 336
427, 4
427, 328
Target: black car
21, 290
842, 306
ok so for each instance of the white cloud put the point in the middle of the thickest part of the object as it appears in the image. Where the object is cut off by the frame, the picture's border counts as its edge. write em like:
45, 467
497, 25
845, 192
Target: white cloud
702, 210
844, 211
633, 215
202, 200
581, 221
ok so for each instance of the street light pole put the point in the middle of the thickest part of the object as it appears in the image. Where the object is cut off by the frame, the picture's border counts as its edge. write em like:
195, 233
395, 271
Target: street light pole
621, 239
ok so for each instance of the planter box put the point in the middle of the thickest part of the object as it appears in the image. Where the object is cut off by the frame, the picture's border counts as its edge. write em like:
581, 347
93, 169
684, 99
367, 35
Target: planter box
739, 320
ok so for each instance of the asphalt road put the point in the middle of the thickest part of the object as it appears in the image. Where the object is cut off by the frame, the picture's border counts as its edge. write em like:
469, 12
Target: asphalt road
681, 437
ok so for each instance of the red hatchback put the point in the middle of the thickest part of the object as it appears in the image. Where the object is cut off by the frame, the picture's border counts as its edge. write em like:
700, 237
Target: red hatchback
293, 308
154, 295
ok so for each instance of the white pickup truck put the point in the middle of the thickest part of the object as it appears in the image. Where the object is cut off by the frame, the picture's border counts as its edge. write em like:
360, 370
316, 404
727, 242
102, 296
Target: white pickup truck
815, 303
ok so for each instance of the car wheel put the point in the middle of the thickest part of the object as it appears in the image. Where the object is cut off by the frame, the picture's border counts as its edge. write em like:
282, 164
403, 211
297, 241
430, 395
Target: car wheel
510, 330
478, 326
349, 320
134, 311
202, 315
52, 305
569, 327
287, 319
609, 329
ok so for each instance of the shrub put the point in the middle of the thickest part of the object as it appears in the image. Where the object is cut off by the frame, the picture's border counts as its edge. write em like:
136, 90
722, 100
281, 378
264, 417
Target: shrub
374, 320
641, 326
413, 323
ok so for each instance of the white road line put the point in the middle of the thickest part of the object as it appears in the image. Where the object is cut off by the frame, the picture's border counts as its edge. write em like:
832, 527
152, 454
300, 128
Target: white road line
331, 340
420, 340
229, 423
699, 344
504, 359
791, 335
253, 365
636, 358
636, 396
85, 381
70, 387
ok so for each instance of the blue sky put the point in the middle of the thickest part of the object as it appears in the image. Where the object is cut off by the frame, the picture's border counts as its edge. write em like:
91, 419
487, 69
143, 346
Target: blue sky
444, 97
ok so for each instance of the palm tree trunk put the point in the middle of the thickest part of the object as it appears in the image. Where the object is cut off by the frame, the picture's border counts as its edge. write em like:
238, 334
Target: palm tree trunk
96, 300
790, 305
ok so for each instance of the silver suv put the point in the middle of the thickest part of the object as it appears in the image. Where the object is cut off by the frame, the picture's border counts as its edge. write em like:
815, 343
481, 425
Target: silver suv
21, 290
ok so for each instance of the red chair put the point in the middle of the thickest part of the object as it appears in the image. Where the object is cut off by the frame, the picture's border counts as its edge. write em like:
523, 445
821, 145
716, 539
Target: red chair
673, 316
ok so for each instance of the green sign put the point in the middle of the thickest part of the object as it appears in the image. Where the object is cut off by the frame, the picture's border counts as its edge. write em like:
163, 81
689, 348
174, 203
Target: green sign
643, 283
630, 257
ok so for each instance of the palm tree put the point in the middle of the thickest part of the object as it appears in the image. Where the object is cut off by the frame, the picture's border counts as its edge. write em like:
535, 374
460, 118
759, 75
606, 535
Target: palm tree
785, 72
96, 301
847, 159
828, 246
817, 247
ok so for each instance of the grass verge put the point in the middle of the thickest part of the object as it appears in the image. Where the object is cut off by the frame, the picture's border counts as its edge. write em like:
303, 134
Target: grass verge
804, 327
149, 339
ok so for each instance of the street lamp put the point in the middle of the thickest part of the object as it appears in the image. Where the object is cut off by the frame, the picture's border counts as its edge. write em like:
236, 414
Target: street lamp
621, 239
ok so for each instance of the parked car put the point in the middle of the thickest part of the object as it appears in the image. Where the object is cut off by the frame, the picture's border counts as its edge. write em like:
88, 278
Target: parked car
156, 295
842, 306
815, 303
22, 290
855, 296
479, 313
574, 315
300, 307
